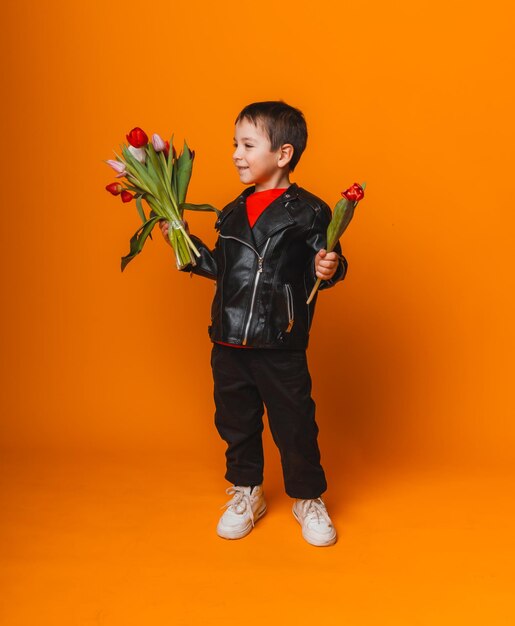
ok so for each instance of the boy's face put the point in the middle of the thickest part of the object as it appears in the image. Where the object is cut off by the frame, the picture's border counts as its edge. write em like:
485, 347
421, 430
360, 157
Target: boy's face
255, 161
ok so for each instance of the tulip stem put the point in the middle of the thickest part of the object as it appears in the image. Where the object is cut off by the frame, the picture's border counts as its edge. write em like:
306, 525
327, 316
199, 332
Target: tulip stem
314, 290
192, 245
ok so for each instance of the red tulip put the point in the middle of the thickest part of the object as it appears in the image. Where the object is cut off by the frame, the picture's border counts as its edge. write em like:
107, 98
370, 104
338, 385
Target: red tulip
166, 149
137, 137
342, 215
355, 192
114, 188
126, 196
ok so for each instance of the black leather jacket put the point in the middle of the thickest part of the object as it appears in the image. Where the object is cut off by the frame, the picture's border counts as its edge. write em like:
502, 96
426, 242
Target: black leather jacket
263, 275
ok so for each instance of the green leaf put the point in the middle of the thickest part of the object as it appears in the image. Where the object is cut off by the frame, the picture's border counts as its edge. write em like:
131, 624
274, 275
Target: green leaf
165, 181
138, 170
184, 166
157, 207
132, 188
342, 215
138, 240
154, 173
154, 165
198, 207
134, 180
139, 206
174, 178
170, 160
164, 167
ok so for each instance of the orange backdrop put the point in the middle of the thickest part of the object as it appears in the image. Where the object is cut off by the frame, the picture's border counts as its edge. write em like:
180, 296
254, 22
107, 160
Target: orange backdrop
409, 355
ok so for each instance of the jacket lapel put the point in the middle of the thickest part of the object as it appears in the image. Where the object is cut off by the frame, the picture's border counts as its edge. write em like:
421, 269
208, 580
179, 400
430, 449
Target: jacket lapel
274, 218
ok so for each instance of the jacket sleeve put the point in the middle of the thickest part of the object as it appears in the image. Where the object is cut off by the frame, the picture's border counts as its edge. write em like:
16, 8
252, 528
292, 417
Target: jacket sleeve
316, 240
206, 264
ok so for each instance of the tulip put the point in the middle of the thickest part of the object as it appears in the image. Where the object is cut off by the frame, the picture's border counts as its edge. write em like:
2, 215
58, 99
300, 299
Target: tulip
137, 138
158, 143
162, 182
355, 192
118, 166
342, 215
114, 188
138, 153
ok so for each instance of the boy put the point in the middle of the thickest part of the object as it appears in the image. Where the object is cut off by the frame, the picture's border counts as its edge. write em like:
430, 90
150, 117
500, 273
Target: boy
268, 255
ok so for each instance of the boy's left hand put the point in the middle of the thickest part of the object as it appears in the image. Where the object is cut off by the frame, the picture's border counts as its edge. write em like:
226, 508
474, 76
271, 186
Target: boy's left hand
326, 264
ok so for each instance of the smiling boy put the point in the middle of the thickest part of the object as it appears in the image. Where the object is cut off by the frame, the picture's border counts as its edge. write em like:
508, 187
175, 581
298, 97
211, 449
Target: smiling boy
267, 257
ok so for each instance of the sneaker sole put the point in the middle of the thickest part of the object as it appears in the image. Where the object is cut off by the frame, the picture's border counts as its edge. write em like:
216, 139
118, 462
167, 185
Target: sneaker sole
242, 533
314, 542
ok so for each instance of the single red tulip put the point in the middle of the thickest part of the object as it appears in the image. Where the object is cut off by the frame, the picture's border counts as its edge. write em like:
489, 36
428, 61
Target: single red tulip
355, 192
137, 137
114, 188
126, 196
166, 148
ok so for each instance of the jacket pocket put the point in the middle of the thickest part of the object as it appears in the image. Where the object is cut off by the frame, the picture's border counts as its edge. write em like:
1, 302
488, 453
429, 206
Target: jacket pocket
289, 307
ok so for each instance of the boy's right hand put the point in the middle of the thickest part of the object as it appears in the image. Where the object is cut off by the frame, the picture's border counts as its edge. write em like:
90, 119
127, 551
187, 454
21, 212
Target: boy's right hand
164, 226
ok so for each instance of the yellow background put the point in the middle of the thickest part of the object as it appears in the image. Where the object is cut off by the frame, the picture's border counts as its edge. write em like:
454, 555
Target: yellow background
112, 470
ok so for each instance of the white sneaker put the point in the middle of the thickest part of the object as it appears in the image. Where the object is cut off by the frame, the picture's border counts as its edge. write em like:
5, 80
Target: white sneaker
243, 511
317, 527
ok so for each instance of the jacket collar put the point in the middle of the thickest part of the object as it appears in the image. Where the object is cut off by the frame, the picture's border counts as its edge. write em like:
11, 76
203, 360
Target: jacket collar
274, 218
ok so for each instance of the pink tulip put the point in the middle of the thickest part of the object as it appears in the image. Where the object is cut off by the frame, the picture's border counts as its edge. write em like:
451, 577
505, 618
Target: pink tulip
118, 166
158, 143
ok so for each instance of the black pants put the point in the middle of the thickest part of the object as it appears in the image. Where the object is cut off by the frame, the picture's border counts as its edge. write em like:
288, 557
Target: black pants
246, 378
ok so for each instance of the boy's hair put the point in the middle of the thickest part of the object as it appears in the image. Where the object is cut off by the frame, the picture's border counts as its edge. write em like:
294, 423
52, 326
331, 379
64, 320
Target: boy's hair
282, 123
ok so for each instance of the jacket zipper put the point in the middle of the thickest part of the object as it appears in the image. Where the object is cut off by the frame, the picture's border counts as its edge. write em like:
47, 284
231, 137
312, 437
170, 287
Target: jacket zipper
256, 279
241, 241
289, 304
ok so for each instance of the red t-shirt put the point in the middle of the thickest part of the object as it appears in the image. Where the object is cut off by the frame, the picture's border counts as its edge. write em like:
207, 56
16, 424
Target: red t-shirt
256, 204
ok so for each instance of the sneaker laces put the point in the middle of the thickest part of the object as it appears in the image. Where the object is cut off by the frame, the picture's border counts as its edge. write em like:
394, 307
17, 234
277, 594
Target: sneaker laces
316, 508
240, 502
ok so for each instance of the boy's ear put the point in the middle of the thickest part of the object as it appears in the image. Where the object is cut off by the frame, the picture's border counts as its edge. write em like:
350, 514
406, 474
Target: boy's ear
285, 154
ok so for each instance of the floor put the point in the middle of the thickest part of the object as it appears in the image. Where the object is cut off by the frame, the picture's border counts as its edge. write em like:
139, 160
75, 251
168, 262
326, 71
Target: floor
122, 541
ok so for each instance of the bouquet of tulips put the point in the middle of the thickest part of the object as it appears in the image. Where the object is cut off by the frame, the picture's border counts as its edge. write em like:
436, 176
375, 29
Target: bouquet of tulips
342, 215
155, 173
